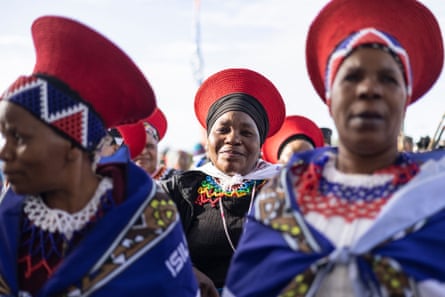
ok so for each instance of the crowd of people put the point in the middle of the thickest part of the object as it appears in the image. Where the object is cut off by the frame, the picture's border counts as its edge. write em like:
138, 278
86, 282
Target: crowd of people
267, 204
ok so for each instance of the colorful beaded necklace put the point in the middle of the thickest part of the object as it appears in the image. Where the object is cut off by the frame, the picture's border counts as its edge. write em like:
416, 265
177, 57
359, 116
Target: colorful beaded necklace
210, 191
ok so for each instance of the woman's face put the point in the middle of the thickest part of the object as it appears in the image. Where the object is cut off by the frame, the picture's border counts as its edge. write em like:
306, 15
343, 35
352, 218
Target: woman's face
234, 143
295, 146
35, 157
148, 158
368, 102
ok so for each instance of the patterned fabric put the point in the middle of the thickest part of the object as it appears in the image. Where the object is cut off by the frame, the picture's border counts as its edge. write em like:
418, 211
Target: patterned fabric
366, 36
399, 253
117, 254
41, 250
69, 115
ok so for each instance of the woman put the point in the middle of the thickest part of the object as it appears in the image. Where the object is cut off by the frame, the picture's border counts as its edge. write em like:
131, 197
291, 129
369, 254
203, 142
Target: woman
297, 134
142, 139
67, 229
363, 219
239, 108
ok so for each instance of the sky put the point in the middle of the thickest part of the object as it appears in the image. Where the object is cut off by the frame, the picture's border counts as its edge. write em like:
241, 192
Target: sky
267, 36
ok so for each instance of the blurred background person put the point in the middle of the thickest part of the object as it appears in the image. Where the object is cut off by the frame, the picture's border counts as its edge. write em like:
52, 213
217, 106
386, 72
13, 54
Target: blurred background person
327, 135
297, 134
179, 160
405, 143
423, 144
112, 143
142, 139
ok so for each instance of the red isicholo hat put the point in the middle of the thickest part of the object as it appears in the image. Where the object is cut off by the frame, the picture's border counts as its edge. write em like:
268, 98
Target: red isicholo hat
292, 125
135, 135
410, 22
158, 121
239, 80
81, 83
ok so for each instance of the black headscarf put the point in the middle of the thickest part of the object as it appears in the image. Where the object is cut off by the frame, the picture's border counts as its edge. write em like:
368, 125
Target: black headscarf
240, 102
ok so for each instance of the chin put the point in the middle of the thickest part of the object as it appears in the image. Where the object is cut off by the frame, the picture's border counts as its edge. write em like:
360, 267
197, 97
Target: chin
21, 190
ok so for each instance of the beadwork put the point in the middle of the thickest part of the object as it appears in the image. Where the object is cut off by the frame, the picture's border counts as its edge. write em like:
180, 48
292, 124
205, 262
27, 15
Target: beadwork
54, 220
48, 235
210, 191
317, 192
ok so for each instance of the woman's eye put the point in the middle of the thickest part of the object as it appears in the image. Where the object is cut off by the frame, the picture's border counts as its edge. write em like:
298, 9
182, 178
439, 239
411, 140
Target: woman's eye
389, 79
17, 137
352, 77
222, 130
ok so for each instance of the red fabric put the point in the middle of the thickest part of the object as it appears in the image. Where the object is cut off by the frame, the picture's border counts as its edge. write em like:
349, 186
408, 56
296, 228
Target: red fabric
238, 80
409, 21
134, 135
158, 120
292, 125
91, 65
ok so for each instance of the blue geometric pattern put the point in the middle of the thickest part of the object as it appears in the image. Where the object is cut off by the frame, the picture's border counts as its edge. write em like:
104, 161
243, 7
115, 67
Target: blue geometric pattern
69, 115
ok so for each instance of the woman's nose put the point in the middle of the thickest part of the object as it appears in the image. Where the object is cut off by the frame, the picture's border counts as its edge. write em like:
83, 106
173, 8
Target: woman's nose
369, 88
5, 150
234, 137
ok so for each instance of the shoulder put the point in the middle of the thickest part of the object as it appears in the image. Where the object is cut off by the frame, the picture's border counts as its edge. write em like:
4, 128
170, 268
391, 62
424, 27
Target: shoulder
184, 177
183, 183
434, 155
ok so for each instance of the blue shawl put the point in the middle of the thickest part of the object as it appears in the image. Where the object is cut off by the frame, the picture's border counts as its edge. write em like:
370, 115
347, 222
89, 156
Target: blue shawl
137, 249
270, 261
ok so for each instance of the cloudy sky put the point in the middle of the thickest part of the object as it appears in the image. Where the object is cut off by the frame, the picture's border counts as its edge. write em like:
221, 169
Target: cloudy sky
159, 35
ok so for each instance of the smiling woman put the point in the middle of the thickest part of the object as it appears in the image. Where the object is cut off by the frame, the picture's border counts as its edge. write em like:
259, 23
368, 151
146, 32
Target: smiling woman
239, 108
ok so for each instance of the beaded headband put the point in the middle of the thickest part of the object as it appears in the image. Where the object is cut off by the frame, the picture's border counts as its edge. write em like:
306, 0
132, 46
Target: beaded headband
151, 130
362, 37
63, 111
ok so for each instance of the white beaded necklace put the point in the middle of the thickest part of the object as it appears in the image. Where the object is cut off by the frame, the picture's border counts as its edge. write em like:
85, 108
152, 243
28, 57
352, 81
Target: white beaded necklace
56, 220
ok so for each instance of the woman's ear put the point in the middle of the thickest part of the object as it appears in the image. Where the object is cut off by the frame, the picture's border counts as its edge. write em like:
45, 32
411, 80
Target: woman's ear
73, 153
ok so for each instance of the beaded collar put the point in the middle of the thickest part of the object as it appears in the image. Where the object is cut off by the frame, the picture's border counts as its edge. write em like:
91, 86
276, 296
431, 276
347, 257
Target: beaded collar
329, 192
48, 235
56, 220
210, 190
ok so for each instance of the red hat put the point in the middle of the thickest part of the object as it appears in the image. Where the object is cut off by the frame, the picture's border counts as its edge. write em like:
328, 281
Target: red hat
135, 135
82, 83
292, 125
408, 21
159, 122
238, 80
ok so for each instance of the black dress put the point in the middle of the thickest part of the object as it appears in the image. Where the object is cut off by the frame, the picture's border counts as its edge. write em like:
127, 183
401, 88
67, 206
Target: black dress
198, 196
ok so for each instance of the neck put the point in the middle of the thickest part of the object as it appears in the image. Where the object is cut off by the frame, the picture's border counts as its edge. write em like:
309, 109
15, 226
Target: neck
75, 195
351, 162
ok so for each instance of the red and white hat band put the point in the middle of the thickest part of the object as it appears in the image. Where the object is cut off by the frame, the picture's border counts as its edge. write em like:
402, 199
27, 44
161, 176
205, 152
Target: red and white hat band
362, 37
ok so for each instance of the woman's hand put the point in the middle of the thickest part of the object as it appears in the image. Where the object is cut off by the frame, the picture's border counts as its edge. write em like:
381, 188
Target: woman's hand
206, 285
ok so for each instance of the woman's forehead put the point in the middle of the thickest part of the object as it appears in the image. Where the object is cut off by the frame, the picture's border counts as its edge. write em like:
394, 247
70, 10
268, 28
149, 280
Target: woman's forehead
14, 115
372, 59
236, 116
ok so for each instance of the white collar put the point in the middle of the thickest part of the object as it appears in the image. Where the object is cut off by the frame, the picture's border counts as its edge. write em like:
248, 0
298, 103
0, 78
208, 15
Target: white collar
56, 220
